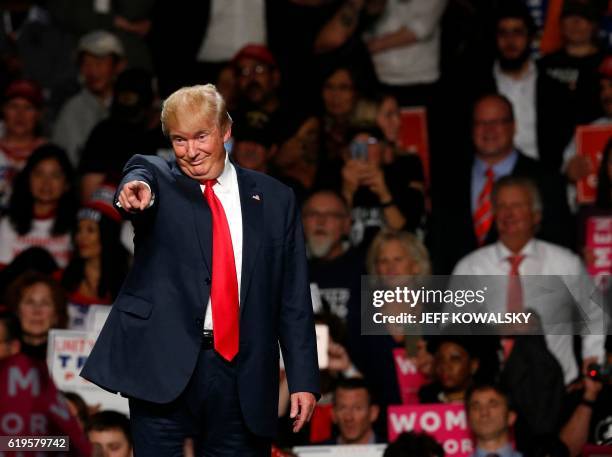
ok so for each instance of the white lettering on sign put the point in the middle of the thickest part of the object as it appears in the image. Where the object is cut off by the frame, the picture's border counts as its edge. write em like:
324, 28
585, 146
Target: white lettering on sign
11, 424
31, 381
59, 408
429, 421
405, 365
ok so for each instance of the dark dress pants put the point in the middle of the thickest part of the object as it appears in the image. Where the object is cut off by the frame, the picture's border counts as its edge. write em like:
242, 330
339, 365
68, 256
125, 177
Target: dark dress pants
207, 411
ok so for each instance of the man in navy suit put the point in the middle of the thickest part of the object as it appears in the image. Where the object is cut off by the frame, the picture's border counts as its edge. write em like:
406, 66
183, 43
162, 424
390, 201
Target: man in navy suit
193, 337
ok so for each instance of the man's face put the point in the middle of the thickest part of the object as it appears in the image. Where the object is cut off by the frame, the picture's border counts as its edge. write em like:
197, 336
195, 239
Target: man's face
512, 39
493, 129
113, 442
488, 414
257, 81
198, 145
354, 415
326, 222
251, 155
514, 213
98, 72
577, 30
605, 95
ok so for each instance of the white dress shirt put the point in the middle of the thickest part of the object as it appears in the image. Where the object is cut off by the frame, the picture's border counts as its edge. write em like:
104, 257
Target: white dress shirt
232, 25
228, 194
544, 259
522, 93
417, 63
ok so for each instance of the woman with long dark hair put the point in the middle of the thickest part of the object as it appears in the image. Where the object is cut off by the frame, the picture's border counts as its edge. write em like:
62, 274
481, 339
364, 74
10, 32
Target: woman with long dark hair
42, 207
100, 262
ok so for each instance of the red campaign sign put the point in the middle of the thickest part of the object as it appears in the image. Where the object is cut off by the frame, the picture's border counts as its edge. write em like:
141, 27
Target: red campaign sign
446, 423
599, 243
413, 135
409, 379
31, 405
590, 143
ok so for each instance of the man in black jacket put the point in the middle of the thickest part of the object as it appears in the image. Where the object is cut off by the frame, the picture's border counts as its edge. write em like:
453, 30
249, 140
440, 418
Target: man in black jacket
466, 208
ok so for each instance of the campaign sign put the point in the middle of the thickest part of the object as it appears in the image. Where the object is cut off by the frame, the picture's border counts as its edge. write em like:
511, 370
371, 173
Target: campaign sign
352, 450
413, 135
590, 143
322, 332
409, 379
446, 423
66, 355
599, 243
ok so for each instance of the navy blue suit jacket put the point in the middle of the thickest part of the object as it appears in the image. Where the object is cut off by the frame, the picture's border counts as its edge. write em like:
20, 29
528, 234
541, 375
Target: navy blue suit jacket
150, 343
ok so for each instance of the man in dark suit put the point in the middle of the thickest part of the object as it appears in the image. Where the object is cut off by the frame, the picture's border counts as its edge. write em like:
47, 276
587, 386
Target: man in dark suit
466, 205
209, 371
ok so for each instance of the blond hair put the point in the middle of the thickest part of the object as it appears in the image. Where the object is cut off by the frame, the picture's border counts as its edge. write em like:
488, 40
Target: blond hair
414, 247
200, 100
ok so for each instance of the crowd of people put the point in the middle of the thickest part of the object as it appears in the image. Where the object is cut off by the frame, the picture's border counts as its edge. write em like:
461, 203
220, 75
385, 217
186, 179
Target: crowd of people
315, 90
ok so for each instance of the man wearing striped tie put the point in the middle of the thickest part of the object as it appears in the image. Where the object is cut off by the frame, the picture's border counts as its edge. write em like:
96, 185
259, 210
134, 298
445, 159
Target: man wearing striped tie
468, 207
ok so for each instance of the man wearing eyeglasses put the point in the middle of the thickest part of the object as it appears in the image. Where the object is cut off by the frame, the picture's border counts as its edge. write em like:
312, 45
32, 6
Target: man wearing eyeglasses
468, 209
259, 105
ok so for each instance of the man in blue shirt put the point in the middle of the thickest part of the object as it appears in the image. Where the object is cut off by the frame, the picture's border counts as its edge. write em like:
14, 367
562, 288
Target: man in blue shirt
490, 418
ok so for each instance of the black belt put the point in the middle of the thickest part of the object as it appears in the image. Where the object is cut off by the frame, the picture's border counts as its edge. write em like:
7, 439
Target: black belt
208, 340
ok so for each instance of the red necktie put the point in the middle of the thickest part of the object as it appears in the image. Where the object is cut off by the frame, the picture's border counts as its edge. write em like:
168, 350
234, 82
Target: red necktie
483, 216
514, 301
224, 287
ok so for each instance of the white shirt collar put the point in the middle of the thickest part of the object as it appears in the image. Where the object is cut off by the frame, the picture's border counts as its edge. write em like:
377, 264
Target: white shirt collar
531, 72
227, 178
503, 253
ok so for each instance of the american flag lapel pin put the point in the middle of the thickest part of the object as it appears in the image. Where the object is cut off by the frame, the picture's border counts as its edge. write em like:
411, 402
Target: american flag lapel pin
256, 197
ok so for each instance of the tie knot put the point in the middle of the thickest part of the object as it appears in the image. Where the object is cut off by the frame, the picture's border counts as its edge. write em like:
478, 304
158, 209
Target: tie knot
515, 261
208, 185
489, 173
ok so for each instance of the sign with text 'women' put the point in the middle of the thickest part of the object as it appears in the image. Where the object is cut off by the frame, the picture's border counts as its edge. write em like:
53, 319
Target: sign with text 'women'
447, 423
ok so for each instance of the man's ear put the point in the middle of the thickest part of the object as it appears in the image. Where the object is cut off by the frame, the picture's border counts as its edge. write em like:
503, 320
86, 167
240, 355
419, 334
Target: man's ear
276, 77
374, 412
334, 418
474, 364
228, 134
511, 418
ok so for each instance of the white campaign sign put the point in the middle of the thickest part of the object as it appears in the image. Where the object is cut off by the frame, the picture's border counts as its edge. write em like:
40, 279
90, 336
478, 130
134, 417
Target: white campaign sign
356, 450
322, 345
66, 354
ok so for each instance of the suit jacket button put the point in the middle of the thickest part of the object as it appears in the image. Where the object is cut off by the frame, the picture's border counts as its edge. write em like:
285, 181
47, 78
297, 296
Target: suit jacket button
207, 281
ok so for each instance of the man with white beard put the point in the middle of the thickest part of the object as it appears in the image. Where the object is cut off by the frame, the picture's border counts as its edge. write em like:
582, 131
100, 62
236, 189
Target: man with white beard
333, 266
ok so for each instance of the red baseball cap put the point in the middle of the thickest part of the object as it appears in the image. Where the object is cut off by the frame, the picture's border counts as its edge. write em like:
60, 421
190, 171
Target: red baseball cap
27, 89
257, 52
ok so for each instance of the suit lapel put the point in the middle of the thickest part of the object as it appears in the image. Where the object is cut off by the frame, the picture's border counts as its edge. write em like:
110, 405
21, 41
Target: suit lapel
202, 218
251, 203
